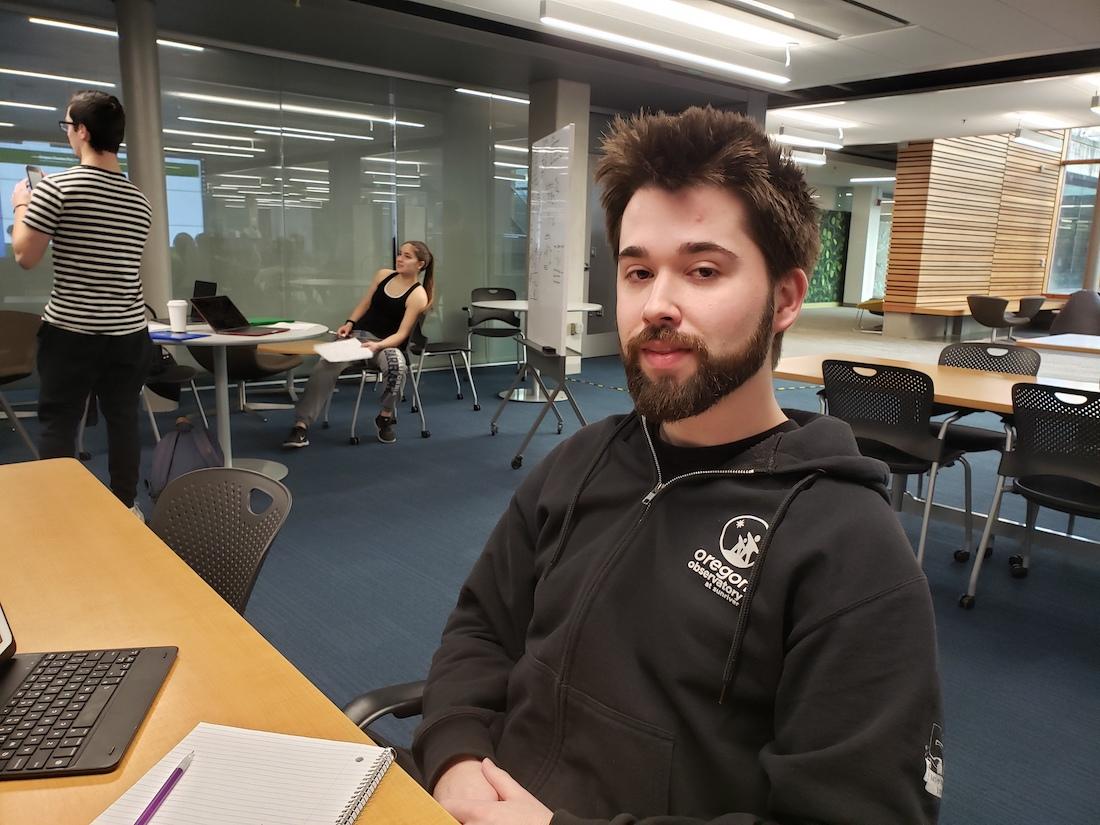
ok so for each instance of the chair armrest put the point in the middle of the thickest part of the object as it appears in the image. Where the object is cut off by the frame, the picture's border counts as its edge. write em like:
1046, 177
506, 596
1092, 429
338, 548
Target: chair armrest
400, 700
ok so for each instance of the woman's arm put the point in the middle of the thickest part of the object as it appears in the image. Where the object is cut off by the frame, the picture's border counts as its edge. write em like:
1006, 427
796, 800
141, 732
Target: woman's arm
345, 328
415, 305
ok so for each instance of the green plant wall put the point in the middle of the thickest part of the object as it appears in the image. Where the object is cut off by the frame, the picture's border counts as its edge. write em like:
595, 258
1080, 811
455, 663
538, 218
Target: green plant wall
827, 283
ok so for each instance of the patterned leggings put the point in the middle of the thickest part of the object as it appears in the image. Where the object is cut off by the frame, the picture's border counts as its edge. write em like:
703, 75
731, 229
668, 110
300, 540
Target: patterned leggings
390, 363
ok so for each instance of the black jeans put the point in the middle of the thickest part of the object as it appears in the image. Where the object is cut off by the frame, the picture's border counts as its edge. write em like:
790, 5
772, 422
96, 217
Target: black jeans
72, 366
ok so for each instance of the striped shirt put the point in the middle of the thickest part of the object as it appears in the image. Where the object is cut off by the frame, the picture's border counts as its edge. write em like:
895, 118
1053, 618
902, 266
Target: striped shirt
99, 223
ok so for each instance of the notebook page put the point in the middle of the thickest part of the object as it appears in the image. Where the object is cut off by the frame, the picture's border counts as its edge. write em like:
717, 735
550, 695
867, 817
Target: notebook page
247, 777
339, 352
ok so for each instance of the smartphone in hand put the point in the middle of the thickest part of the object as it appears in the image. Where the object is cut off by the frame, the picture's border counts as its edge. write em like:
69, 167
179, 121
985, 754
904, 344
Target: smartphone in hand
34, 176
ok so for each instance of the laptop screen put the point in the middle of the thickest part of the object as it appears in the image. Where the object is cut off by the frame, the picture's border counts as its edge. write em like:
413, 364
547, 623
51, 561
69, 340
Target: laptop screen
203, 289
219, 312
7, 638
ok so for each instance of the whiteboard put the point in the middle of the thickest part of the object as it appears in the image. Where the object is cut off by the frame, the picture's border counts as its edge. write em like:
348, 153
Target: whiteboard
548, 245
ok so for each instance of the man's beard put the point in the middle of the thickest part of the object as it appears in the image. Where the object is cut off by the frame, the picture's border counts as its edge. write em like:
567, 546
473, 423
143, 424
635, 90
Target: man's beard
716, 376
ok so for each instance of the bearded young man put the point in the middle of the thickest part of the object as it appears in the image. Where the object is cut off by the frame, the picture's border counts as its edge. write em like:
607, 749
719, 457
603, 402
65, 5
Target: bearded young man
704, 611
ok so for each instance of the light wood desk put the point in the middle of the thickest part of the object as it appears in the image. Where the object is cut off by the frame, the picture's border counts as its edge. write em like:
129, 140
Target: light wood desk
1067, 342
79, 571
971, 389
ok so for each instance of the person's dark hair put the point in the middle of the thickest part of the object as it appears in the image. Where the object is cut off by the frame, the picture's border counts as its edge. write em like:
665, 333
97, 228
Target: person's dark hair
705, 146
102, 115
425, 256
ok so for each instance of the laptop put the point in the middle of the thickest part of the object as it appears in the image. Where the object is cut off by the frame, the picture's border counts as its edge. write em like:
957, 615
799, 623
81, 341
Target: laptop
202, 289
73, 712
224, 317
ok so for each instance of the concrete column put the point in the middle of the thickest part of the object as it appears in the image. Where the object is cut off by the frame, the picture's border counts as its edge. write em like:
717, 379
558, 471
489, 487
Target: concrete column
859, 273
557, 103
1092, 257
137, 58
757, 107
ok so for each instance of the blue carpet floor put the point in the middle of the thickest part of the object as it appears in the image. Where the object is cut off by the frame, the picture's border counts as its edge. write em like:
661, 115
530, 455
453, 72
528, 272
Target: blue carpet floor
357, 587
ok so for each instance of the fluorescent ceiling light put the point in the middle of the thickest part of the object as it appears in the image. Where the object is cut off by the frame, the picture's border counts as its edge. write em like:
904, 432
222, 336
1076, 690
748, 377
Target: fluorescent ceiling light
808, 158
712, 22
213, 135
15, 105
816, 105
316, 188
409, 185
224, 122
512, 180
223, 146
60, 24
382, 192
503, 98
296, 131
504, 147
814, 119
5, 123
62, 78
509, 165
665, 51
392, 160
229, 101
882, 179
319, 200
308, 180
208, 152
765, 7
788, 139
273, 133
314, 110
886, 200
304, 169
382, 200
1036, 140
231, 175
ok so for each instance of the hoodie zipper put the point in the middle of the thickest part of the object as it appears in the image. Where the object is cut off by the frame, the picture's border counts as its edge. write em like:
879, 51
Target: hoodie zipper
661, 485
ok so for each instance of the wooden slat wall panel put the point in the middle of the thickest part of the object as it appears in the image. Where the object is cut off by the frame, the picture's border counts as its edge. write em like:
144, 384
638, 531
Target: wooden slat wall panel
971, 215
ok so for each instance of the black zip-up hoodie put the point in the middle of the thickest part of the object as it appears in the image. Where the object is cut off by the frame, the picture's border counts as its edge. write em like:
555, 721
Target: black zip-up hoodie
748, 645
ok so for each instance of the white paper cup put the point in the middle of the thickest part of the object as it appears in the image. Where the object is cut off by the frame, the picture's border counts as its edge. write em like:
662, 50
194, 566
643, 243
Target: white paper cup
177, 315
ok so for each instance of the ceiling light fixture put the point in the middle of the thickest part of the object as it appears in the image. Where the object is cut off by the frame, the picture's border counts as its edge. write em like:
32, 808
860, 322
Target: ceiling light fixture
208, 152
60, 24
503, 98
314, 110
14, 105
813, 119
882, 179
228, 101
224, 146
5, 123
815, 105
504, 147
303, 169
806, 140
665, 51
1035, 140
755, 4
703, 19
307, 180
415, 163
510, 180
213, 135
808, 158
509, 165
273, 133
246, 177
62, 78
224, 122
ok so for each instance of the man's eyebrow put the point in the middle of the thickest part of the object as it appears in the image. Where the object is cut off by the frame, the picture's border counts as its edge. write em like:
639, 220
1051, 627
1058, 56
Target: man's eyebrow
688, 248
632, 252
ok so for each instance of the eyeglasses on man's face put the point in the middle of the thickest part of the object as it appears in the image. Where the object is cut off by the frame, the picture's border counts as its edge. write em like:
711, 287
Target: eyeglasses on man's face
65, 124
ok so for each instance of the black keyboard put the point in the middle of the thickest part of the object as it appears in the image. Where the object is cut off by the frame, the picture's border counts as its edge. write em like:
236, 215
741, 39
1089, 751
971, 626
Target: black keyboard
76, 712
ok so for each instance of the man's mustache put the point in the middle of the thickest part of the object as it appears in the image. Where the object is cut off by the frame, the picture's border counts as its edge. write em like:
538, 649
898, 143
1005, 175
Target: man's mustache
665, 335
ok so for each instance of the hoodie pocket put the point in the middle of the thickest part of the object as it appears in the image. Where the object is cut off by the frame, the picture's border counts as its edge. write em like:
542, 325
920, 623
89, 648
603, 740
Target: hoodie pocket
609, 763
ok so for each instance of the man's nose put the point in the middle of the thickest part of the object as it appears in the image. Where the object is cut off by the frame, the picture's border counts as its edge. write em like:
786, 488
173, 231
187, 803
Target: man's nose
662, 306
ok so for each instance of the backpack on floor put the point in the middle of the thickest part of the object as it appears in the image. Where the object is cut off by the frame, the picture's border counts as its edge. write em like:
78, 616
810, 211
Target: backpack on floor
188, 447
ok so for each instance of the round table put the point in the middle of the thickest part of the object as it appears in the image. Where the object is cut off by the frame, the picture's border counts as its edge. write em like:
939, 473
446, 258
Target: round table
520, 306
295, 331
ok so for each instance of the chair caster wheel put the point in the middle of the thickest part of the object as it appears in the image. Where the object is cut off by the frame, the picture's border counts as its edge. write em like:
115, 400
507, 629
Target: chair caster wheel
354, 440
1016, 567
559, 428
962, 555
425, 434
477, 408
966, 602
414, 409
459, 396
324, 425
85, 456
517, 462
492, 429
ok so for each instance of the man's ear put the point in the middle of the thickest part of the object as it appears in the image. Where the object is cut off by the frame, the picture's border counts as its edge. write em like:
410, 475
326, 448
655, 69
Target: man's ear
788, 294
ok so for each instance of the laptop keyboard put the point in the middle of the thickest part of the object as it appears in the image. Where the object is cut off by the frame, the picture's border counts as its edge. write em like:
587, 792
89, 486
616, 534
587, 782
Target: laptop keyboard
52, 713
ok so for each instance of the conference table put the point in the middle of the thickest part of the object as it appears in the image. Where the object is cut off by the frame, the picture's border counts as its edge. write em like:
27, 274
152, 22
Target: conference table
98, 578
1066, 342
520, 306
956, 386
295, 331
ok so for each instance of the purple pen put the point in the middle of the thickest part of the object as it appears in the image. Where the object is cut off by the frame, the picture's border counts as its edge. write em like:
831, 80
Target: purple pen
165, 789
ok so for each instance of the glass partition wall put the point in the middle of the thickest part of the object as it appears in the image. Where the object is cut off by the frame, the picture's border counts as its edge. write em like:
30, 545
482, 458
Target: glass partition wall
290, 183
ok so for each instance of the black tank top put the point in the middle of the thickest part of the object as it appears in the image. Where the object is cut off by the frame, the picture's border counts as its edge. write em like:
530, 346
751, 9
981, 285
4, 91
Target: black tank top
383, 316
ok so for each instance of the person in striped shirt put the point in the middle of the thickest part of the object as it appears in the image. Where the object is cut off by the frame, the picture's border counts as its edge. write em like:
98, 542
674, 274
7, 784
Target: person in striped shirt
94, 339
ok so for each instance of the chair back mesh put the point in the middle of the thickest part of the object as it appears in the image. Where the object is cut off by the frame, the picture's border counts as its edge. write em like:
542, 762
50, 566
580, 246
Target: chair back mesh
992, 358
18, 344
1055, 436
988, 310
206, 517
479, 315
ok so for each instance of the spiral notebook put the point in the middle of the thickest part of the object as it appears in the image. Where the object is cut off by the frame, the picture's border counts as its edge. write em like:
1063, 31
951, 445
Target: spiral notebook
251, 777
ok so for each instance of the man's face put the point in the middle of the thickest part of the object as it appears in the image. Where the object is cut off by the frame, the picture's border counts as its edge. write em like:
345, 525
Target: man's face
695, 304
71, 134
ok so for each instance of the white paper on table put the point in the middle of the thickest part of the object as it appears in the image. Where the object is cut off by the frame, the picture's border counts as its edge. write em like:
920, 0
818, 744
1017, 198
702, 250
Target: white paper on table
339, 352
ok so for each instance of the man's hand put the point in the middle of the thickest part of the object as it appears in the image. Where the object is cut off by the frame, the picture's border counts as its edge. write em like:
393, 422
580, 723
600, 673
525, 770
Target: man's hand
463, 781
21, 194
515, 806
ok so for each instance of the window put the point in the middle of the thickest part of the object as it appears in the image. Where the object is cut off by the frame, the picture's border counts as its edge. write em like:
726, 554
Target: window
1075, 211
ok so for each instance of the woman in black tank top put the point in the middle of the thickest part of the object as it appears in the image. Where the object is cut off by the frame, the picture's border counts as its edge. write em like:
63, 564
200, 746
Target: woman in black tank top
383, 321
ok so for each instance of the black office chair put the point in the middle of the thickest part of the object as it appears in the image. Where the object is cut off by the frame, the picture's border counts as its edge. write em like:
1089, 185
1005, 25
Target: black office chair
366, 371
18, 347
420, 346
246, 363
1054, 462
889, 409
990, 311
1080, 315
207, 518
402, 701
482, 322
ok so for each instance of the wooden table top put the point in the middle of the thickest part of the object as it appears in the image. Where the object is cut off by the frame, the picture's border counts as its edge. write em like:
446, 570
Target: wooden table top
1066, 342
79, 571
972, 389
959, 309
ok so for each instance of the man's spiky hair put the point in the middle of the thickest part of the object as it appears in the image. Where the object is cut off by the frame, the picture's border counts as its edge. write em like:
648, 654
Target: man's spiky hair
705, 146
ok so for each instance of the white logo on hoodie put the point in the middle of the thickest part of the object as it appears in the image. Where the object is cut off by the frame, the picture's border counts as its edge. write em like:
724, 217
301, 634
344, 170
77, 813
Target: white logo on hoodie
740, 540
